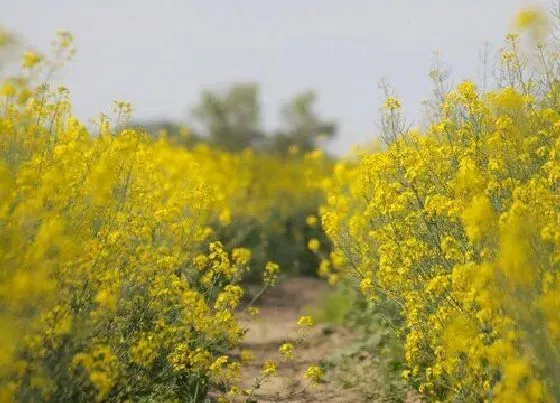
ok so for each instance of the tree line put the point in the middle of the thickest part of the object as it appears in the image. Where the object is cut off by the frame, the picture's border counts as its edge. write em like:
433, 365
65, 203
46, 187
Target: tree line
230, 119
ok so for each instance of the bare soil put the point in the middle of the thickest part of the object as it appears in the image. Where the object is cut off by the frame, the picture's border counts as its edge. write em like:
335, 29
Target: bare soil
280, 309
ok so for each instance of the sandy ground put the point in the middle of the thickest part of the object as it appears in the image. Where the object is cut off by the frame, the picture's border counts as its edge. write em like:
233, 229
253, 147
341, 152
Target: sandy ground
280, 309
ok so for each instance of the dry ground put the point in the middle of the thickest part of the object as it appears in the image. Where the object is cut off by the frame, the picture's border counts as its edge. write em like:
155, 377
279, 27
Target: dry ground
280, 309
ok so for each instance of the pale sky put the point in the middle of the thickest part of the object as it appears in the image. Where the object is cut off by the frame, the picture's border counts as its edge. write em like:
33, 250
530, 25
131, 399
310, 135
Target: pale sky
159, 54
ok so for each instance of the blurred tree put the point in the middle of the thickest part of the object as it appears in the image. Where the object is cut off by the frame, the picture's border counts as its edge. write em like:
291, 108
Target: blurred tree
231, 120
302, 125
175, 132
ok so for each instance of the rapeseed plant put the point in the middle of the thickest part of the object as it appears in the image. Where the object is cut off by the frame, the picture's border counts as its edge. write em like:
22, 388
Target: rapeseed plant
115, 282
459, 229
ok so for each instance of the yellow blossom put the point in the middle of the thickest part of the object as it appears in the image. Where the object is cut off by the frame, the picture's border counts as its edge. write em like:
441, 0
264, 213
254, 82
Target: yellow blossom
313, 245
392, 103
31, 59
306, 321
287, 350
269, 368
314, 373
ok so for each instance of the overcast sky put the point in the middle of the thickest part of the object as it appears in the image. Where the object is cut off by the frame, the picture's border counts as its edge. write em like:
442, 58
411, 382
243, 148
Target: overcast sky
159, 54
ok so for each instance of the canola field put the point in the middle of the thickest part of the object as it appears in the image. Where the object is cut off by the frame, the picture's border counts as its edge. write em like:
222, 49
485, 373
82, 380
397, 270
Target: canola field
123, 264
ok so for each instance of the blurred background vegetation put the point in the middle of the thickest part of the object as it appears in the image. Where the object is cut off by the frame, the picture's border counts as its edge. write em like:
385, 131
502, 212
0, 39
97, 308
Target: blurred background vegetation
229, 119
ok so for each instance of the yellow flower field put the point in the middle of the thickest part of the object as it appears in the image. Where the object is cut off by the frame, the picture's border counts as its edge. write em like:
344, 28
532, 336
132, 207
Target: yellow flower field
114, 285
457, 230
124, 258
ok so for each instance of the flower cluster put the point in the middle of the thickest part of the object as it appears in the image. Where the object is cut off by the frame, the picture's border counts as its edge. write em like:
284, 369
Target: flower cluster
458, 231
115, 281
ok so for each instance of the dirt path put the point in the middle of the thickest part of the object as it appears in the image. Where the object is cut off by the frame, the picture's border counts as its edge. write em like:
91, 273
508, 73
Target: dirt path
280, 309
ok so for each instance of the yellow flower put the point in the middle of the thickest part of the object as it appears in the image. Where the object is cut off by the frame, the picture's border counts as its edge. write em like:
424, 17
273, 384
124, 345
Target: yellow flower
333, 279
306, 321
105, 298
367, 286
311, 220
478, 218
467, 90
324, 268
534, 20
269, 368
123, 107
217, 365
271, 271
235, 391
254, 310
392, 103
31, 59
508, 56
246, 356
287, 350
6, 38
241, 256
314, 373
201, 262
337, 258
314, 245
225, 217
508, 98
529, 17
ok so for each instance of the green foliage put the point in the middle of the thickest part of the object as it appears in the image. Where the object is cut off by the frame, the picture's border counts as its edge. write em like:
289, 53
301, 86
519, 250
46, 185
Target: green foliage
338, 305
375, 360
302, 128
277, 238
174, 133
230, 120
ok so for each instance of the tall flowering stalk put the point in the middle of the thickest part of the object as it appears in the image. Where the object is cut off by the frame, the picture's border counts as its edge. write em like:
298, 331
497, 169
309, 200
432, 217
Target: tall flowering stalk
457, 230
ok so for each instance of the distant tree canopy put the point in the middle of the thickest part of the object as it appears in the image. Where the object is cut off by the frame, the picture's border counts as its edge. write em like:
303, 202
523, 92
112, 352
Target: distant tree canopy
302, 126
175, 132
231, 120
